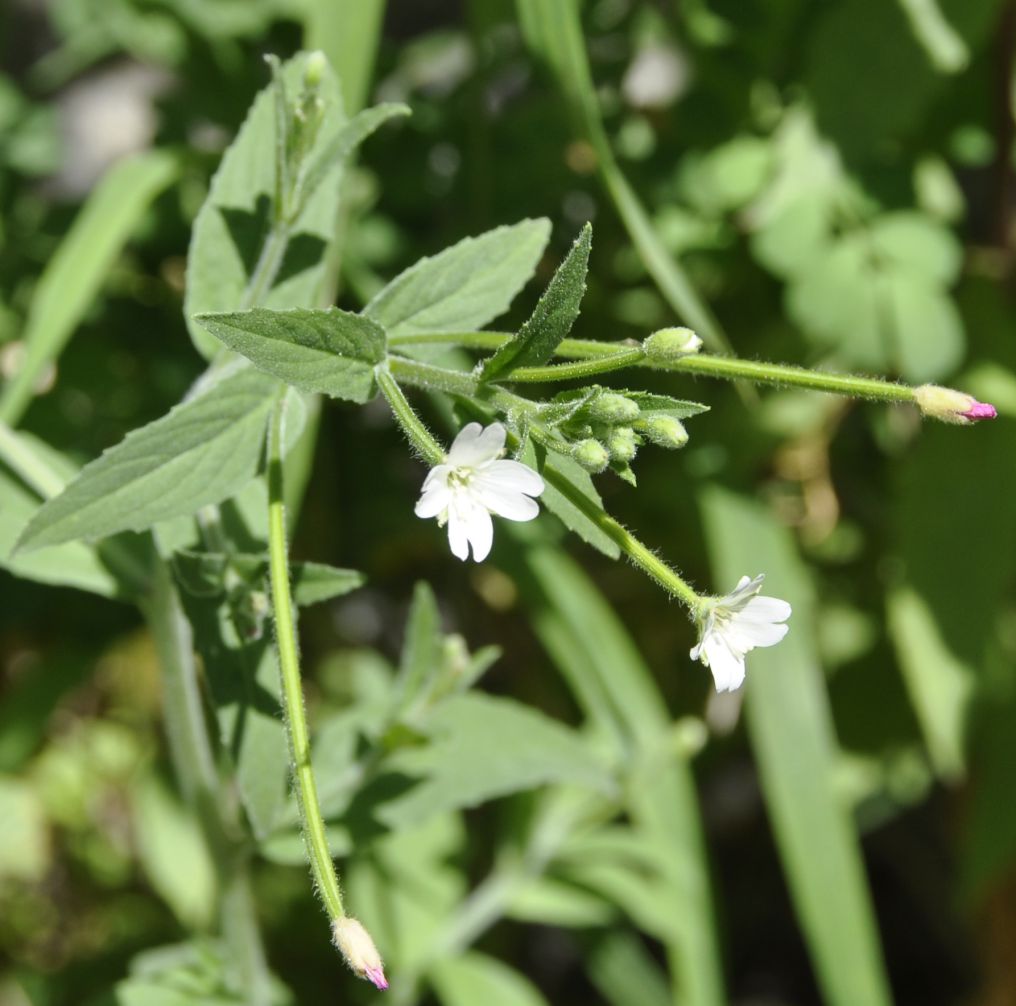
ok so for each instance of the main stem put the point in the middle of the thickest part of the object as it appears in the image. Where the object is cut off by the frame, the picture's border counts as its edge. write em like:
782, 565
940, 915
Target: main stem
312, 823
724, 367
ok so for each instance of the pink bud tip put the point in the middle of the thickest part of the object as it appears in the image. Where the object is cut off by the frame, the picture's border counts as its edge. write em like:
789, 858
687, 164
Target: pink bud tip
377, 976
980, 410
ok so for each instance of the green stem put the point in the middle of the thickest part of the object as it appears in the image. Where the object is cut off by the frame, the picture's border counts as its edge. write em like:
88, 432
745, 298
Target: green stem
313, 825
419, 436
724, 367
639, 554
266, 269
580, 369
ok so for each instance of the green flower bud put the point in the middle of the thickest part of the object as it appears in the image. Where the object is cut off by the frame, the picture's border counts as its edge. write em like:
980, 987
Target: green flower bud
622, 443
314, 70
611, 407
591, 454
664, 431
671, 344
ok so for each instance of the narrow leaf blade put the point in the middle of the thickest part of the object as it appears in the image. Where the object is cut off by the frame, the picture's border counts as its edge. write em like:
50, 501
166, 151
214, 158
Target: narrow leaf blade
792, 735
553, 317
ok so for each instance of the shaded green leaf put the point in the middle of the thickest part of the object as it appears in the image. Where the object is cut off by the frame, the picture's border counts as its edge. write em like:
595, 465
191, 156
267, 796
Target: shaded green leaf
552, 318
465, 286
330, 351
201, 452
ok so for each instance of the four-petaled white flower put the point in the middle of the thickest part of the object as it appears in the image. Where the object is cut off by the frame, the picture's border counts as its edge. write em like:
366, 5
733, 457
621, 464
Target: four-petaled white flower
472, 483
733, 625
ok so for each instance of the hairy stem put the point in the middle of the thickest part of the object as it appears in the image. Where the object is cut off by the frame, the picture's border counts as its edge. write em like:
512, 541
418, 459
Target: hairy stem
723, 367
312, 823
579, 370
419, 436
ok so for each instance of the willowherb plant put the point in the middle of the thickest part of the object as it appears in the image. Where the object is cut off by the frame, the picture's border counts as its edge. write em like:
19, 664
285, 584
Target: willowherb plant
257, 265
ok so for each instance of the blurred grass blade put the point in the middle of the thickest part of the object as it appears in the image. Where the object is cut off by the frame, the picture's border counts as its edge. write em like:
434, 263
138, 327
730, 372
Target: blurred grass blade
73, 276
348, 34
554, 33
625, 973
795, 749
941, 686
604, 667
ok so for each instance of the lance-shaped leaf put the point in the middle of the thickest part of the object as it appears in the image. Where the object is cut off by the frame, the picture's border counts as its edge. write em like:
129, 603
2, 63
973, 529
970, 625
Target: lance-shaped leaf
203, 451
552, 319
330, 351
464, 287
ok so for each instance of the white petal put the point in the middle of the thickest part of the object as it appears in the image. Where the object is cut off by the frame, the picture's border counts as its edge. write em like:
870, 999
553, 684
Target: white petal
480, 531
475, 446
506, 503
439, 473
433, 500
514, 475
726, 664
765, 609
747, 635
458, 540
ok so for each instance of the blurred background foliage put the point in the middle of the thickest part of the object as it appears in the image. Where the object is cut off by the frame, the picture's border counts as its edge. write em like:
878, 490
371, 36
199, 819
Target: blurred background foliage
835, 179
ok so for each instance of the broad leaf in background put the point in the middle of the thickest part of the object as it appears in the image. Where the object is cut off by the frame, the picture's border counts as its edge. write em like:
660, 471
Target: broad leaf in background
202, 451
792, 737
328, 351
552, 318
481, 748
234, 234
473, 978
75, 273
173, 853
404, 887
464, 287
421, 652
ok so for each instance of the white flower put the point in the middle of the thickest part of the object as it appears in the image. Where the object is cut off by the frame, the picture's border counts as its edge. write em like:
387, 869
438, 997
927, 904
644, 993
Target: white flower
472, 483
733, 625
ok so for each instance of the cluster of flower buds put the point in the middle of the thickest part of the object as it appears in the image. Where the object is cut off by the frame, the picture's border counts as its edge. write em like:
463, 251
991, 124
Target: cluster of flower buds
605, 428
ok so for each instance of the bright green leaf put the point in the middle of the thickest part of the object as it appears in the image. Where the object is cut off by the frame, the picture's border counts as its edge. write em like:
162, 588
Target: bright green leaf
328, 351
465, 286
